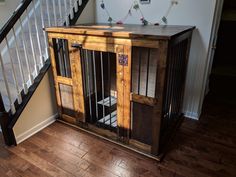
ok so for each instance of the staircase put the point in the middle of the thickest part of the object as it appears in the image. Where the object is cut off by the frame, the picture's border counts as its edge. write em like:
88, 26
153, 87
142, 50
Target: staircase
24, 55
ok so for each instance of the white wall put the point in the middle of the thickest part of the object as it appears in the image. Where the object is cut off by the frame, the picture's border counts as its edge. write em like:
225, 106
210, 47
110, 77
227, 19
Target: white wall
198, 13
6, 10
40, 111
88, 14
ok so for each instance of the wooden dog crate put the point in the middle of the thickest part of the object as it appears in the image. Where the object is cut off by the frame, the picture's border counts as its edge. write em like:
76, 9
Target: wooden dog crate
124, 82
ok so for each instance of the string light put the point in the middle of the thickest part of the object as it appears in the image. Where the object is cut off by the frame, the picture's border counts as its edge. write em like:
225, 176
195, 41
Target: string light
135, 6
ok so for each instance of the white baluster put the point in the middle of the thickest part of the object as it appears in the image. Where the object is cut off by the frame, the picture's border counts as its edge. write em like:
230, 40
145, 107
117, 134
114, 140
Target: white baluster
48, 12
76, 6
13, 109
71, 9
13, 73
60, 12
20, 63
31, 79
44, 33
66, 13
54, 11
32, 44
37, 35
80, 2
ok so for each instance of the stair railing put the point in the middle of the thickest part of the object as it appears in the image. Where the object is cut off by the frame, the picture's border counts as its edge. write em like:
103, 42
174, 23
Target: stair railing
24, 48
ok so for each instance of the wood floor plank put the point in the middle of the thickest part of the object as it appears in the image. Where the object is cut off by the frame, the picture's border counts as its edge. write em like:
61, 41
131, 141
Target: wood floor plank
201, 148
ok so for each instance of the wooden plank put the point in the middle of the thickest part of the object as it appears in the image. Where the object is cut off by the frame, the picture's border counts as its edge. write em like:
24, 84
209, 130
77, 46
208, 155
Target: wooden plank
83, 39
141, 146
156, 32
78, 93
159, 94
54, 70
68, 119
120, 91
64, 80
127, 90
143, 99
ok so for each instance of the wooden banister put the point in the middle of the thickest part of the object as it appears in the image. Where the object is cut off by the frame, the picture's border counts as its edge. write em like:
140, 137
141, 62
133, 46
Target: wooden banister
4, 120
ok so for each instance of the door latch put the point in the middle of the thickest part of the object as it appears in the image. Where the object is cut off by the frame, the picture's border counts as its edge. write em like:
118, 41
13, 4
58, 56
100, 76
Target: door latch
75, 45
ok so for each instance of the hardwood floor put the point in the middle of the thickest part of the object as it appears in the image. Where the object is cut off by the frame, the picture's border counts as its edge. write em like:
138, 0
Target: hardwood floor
205, 148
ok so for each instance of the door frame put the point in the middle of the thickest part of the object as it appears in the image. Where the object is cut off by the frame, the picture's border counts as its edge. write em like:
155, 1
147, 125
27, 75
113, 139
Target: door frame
212, 47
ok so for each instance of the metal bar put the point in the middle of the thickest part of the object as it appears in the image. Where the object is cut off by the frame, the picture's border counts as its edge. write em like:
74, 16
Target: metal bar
109, 81
66, 58
103, 107
95, 84
26, 53
20, 63
44, 33
139, 70
148, 61
14, 73
61, 57
37, 35
89, 89
12, 106
48, 12
32, 43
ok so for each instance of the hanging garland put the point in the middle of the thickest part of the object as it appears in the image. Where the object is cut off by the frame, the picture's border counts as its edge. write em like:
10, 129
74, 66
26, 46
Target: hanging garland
135, 6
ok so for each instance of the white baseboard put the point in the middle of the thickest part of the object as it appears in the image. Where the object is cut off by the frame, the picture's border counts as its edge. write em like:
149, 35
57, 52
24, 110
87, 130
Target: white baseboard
22, 137
191, 115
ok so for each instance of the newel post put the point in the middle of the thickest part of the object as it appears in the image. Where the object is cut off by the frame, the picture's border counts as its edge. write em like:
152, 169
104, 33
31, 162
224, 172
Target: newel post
4, 122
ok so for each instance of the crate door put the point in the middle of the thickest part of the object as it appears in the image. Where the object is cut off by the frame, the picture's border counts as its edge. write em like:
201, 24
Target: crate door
66, 65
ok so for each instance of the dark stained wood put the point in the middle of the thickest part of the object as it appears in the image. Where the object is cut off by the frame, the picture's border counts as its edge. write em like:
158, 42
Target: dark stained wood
204, 148
143, 99
159, 94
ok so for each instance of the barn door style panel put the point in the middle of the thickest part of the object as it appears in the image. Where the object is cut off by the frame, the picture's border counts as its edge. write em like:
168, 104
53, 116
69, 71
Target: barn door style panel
106, 83
67, 71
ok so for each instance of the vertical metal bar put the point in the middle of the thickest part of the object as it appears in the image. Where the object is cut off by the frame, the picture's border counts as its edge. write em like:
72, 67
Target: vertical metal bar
103, 106
32, 43
48, 12
37, 35
12, 106
20, 63
14, 73
139, 70
109, 82
148, 61
95, 85
65, 57
61, 57
26, 53
89, 89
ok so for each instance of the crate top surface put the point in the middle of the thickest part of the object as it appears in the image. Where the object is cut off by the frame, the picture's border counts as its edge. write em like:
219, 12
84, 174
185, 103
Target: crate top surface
124, 31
